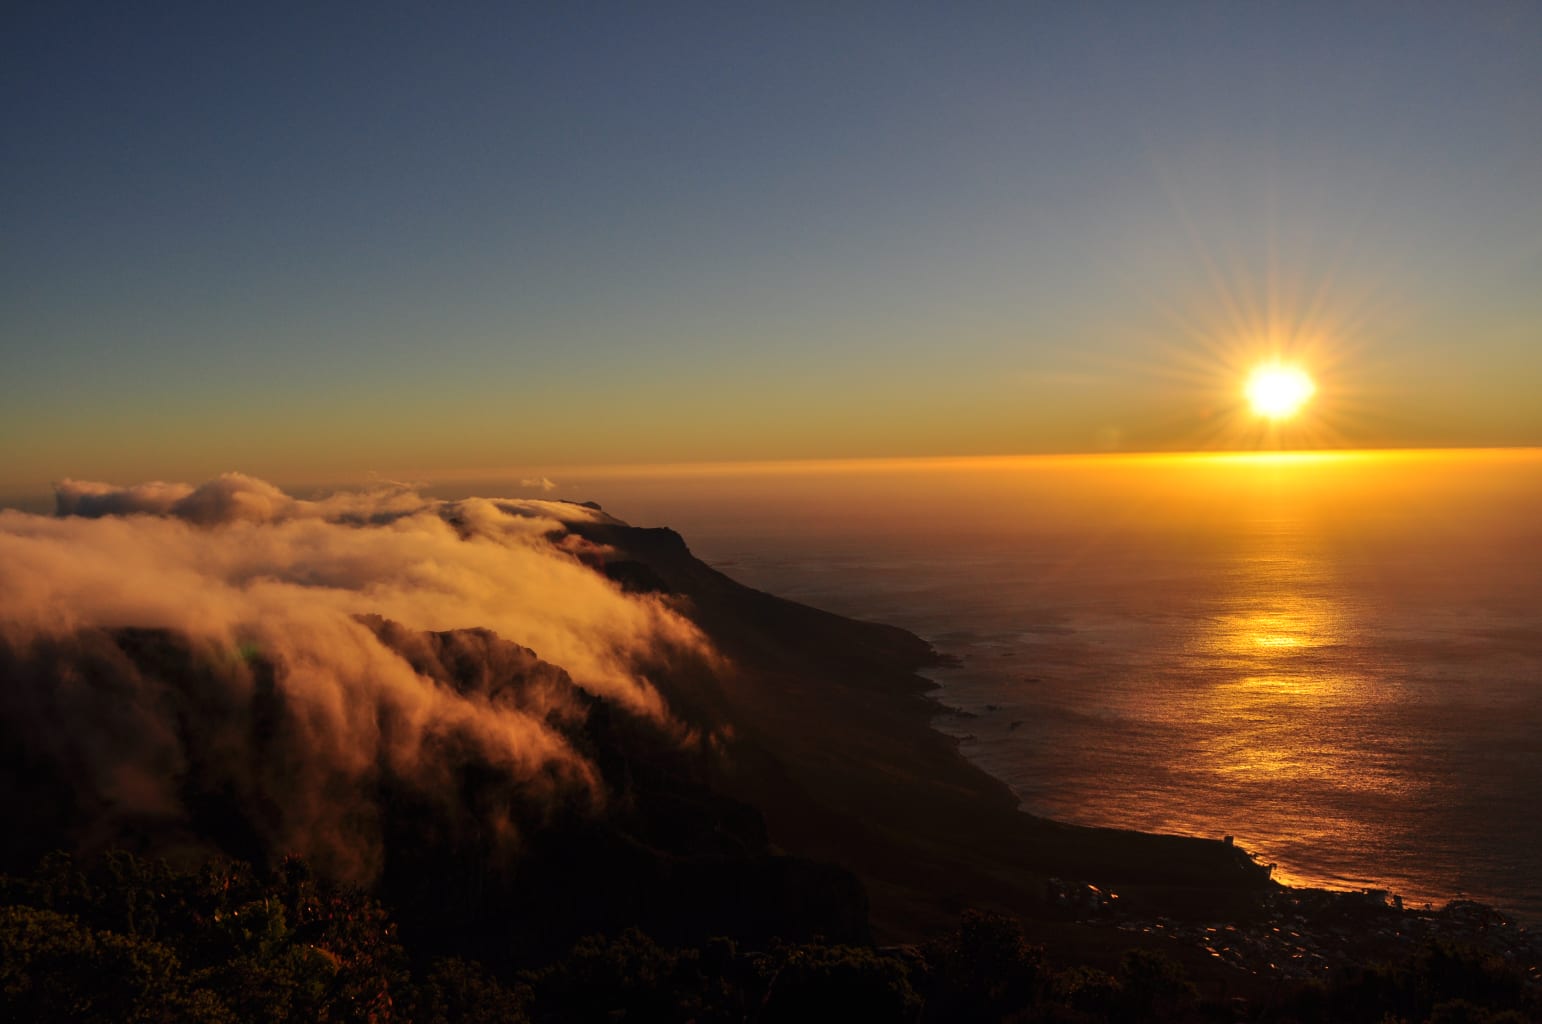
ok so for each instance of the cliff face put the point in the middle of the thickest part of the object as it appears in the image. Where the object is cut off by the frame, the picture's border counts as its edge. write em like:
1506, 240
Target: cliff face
473, 854
833, 742
501, 809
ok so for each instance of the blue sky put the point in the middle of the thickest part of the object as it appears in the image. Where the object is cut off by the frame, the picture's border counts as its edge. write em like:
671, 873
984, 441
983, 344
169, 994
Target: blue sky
311, 241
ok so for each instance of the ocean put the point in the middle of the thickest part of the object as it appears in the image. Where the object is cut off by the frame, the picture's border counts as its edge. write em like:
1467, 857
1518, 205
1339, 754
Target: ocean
1335, 658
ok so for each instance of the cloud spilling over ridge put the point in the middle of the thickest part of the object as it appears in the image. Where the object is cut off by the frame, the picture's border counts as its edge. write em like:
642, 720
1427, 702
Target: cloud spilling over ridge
320, 602
238, 555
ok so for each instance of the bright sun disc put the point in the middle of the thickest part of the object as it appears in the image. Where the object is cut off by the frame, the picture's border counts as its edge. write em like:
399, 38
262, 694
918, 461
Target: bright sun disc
1278, 391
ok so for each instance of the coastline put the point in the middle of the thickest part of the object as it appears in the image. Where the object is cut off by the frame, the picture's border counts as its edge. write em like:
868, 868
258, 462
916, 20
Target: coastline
958, 713
794, 782
954, 720
837, 740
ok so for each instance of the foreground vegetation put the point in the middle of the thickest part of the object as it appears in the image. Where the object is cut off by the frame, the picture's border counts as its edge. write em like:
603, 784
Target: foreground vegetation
127, 940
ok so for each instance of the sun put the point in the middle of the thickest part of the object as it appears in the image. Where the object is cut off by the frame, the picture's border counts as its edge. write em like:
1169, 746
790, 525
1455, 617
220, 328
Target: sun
1277, 391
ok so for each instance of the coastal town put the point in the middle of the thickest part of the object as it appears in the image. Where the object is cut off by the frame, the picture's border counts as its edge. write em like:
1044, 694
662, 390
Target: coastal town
1303, 933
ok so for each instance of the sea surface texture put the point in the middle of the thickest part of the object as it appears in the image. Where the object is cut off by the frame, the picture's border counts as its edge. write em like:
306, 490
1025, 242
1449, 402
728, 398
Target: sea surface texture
1335, 658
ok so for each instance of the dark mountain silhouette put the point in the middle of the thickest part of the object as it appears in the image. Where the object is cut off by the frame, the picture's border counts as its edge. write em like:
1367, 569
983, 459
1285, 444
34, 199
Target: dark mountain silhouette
833, 742
481, 862
794, 781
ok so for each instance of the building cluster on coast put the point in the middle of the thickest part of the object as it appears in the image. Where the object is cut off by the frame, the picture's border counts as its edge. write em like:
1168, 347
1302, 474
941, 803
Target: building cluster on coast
1311, 933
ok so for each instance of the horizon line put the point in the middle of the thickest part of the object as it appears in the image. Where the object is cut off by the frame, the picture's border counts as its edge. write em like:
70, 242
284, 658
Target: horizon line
706, 467
775, 465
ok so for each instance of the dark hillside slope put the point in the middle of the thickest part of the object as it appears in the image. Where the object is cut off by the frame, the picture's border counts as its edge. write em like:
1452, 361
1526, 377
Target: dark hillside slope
833, 741
472, 856
502, 810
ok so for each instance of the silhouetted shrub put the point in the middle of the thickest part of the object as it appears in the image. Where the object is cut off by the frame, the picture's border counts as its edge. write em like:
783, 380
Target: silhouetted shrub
1152, 986
1460, 1011
125, 939
633, 978
839, 983
1089, 991
457, 991
1441, 979
983, 971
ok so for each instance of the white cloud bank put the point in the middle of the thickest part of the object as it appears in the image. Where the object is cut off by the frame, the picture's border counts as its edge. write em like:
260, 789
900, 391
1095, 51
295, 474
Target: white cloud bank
236, 565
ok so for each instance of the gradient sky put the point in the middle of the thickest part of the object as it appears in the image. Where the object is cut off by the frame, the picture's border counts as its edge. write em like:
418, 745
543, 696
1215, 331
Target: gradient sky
311, 241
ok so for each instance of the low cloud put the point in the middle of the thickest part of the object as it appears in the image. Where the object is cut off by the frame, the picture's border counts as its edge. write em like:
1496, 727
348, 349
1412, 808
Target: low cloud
540, 483
332, 608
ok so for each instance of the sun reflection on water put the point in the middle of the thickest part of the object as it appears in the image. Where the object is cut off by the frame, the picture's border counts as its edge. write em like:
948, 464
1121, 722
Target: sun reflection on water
1291, 625
1331, 656
1277, 709
1304, 623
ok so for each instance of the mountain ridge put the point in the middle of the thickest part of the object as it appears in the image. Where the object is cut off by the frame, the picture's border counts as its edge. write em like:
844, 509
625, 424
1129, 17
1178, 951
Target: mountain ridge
852, 771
